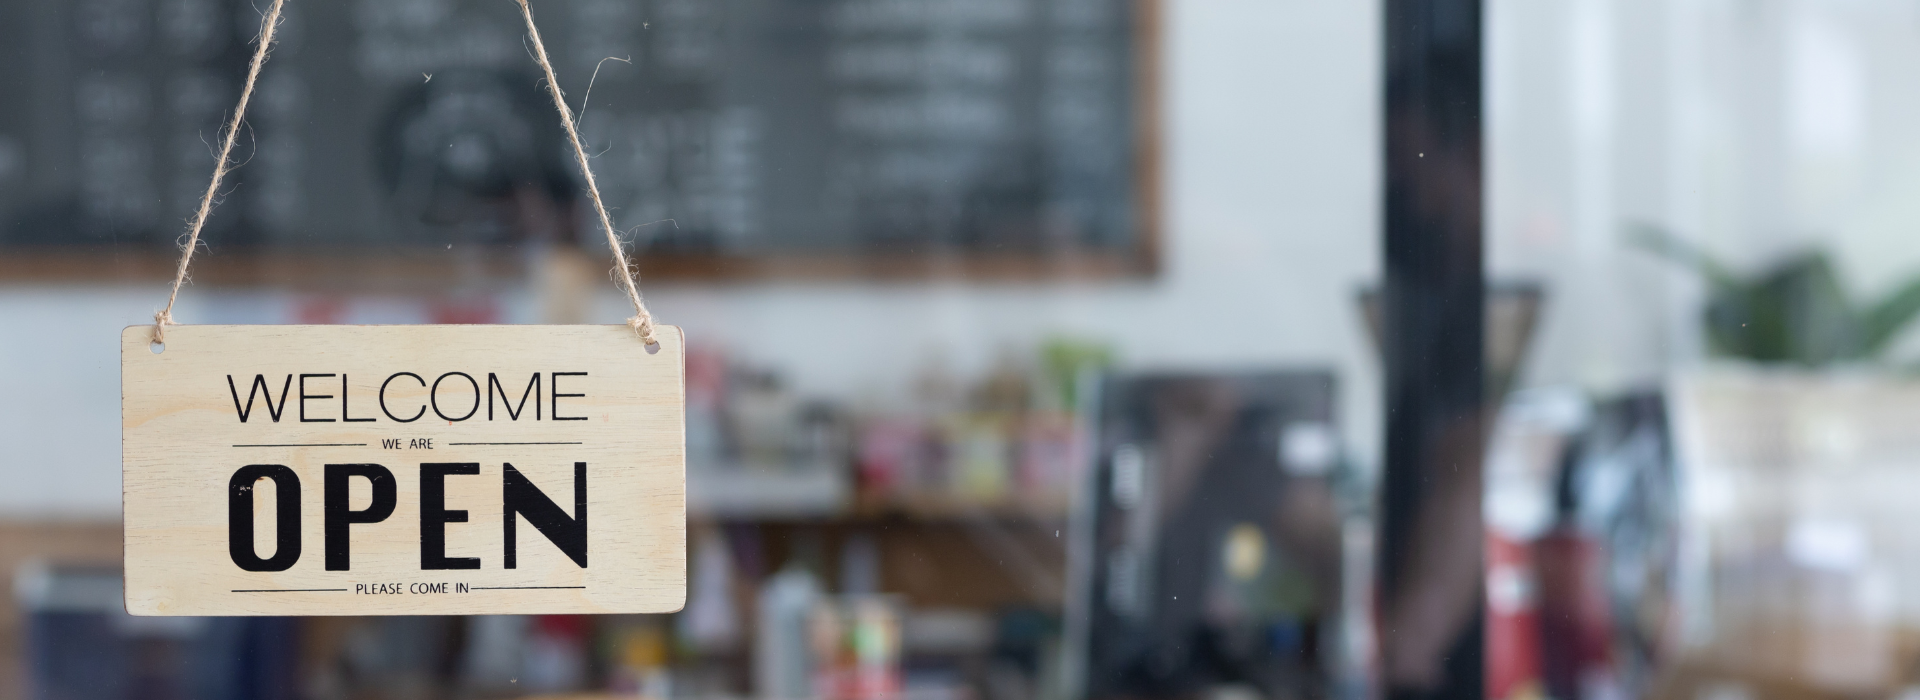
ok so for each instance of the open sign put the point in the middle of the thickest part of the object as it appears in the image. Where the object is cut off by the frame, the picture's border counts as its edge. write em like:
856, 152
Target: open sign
369, 470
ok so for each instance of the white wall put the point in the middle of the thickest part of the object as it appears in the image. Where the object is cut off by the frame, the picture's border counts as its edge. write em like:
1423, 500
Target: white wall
1757, 129
1271, 225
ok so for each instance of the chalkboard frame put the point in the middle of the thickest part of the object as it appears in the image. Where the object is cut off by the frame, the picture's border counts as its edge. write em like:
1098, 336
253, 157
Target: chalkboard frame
389, 269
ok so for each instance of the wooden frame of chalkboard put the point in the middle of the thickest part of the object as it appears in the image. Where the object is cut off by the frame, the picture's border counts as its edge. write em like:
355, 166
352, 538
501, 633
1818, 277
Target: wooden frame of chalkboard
345, 267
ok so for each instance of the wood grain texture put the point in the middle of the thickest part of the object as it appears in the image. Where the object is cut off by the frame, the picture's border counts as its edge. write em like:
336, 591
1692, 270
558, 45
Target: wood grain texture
184, 440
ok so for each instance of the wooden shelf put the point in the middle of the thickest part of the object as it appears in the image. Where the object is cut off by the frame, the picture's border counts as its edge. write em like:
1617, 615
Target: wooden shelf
740, 493
941, 507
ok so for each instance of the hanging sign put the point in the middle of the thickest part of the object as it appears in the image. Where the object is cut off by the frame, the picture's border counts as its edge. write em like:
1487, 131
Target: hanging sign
416, 470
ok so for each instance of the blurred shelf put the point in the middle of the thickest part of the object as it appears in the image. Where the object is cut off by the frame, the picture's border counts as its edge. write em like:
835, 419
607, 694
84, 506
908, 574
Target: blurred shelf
751, 494
740, 493
948, 507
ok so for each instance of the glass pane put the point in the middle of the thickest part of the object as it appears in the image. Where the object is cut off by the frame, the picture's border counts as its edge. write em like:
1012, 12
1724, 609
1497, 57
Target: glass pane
1038, 349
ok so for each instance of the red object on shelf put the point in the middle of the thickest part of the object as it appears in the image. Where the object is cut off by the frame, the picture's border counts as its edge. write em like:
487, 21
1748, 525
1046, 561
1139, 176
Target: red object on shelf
1513, 621
465, 310
320, 311
1576, 625
892, 456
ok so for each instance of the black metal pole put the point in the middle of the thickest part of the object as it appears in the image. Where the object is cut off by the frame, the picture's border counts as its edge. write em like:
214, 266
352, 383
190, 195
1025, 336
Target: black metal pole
1431, 592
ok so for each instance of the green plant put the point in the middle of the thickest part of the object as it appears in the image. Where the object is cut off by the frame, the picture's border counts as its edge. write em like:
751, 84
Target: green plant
1795, 311
1062, 360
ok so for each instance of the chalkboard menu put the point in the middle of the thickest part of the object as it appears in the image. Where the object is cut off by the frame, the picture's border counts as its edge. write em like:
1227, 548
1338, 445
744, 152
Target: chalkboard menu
719, 127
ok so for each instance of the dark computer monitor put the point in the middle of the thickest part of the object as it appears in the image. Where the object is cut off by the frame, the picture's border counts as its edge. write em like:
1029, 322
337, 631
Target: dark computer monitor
1208, 539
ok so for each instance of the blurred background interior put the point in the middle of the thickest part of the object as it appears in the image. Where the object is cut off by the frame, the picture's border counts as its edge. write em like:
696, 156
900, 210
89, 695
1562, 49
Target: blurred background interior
1048, 349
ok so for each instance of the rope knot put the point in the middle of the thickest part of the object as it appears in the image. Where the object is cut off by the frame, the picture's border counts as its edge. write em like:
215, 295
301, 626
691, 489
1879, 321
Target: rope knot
161, 319
644, 326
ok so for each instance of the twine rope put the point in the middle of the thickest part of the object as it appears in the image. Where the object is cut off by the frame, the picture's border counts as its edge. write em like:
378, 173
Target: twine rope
642, 320
164, 317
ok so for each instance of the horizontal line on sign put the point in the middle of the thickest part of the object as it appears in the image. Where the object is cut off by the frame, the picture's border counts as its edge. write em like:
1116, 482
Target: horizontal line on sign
289, 590
525, 588
456, 444
313, 444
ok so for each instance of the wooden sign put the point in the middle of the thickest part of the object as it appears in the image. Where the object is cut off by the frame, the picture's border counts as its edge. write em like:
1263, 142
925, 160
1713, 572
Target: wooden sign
403, 470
